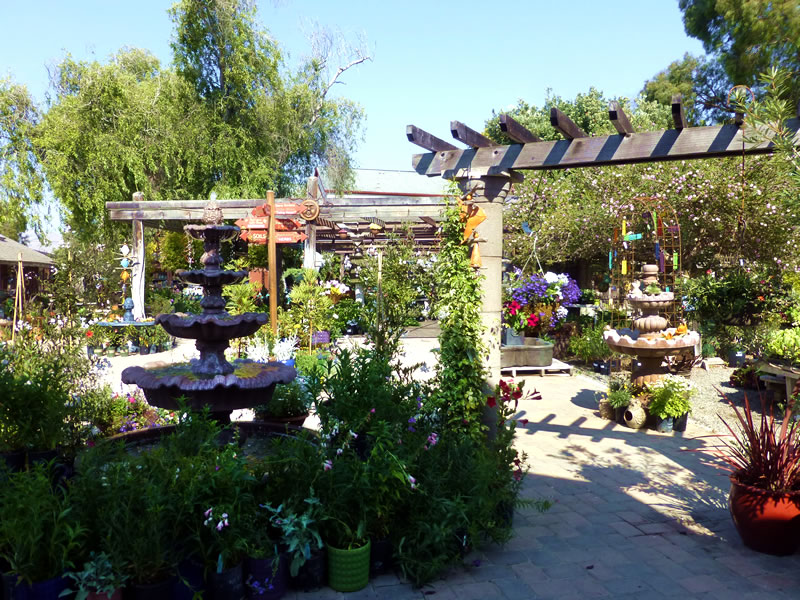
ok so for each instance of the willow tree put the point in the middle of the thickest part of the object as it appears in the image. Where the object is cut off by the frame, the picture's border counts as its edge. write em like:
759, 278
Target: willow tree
21, 182
227, 117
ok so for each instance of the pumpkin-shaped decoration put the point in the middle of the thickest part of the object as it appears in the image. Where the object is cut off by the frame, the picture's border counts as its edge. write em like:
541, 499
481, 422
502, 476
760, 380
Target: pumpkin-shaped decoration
682, 329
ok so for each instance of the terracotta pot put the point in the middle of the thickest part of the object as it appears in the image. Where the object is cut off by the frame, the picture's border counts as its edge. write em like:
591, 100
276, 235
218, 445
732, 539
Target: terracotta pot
767, 522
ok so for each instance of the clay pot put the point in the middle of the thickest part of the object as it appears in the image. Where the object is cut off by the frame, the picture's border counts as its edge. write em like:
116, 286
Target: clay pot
767, 522
635, 415
606, 410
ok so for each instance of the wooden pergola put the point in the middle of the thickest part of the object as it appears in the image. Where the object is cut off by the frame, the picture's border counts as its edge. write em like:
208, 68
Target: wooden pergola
487, 170
344, 225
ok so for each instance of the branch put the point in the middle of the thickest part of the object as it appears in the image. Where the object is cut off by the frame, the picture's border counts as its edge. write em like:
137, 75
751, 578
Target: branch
334, 80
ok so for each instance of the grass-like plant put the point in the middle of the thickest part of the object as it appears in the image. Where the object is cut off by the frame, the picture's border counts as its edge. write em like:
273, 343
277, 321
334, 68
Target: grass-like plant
765, 455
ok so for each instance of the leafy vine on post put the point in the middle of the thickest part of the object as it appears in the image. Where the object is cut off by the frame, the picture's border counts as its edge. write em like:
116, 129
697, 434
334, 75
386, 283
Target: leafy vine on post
460, 372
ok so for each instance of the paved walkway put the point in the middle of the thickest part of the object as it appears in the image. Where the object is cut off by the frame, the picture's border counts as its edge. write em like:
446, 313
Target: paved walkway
636, 515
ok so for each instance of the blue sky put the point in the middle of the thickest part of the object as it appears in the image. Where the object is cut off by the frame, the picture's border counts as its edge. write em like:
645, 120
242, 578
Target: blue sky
434, 61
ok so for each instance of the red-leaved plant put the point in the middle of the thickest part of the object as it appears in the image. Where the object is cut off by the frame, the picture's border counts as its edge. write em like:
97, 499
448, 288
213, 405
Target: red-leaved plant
764, 456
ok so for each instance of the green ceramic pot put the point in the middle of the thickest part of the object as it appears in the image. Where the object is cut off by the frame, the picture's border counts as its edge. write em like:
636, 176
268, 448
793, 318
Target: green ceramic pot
348, 570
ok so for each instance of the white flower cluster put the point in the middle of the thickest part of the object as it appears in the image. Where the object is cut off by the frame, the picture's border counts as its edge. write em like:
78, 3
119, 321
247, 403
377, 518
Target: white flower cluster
285, 348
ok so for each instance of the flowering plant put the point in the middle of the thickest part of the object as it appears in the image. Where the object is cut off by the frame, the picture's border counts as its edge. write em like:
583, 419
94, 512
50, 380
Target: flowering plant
335, 289
670, 396
534, 303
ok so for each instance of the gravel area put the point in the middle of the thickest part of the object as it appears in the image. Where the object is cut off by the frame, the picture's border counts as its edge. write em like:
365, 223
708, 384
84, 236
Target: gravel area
708, 404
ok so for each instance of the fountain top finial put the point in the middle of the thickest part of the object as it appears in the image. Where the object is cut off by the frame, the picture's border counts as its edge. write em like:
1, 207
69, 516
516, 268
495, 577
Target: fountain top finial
212, 213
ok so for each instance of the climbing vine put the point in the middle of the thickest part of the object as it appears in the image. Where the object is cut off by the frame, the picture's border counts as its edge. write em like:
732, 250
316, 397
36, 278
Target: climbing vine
460, 373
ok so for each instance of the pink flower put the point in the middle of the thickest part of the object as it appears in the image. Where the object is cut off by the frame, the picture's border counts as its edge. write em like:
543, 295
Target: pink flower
208, 512
327, 465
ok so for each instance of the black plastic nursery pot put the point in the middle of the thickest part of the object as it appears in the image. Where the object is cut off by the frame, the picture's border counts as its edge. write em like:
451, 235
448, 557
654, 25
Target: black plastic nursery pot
227, 585
266, 578
161, 590
313, 574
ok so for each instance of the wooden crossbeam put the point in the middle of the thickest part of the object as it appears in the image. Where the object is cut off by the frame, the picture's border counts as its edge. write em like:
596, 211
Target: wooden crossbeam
429, 221
650, 146
423, 139
564, 125
619, 119
678, 115
469, 136
512, 128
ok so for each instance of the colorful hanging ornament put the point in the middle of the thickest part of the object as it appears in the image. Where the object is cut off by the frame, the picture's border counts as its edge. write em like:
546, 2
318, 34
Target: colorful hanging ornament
624, 267
610, 260
660, 228
661, 262
624, 227
658, 251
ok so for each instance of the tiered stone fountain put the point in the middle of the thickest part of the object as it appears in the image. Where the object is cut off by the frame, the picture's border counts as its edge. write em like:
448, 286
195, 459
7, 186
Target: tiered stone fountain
211, 380
650, 340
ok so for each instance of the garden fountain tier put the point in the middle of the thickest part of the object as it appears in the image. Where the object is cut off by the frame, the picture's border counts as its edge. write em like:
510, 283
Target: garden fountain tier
211, 380
650, 340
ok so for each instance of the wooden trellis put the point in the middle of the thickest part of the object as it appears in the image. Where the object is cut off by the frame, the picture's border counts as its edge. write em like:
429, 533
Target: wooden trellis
648, 234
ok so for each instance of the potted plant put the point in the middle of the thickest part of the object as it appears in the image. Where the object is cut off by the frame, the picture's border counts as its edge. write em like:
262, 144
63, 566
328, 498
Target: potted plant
290, 403
539, 301
284, 350
345, 489
300, 535
619, 397
764, 463
98, 580
38, 533
670, 402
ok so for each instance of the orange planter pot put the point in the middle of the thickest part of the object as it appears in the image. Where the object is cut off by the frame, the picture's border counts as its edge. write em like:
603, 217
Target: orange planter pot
767, 522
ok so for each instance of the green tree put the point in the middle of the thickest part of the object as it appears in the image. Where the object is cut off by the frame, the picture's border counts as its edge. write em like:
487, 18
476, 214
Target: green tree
747, 37
228, 118
21, 182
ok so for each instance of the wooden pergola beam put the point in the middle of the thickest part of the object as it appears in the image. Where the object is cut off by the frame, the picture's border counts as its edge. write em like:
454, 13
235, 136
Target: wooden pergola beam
619, 119
423, 139
469, 136
650, 146
515, 131
430, 221
565, 126
678, 115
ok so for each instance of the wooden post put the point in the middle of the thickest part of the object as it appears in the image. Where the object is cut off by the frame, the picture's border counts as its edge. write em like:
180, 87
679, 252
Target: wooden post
272, 265
19, 296
138, 267
310, 243
489, 192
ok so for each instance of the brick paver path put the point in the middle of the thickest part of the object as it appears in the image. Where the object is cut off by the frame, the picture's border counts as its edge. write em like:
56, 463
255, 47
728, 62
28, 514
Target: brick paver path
635, 516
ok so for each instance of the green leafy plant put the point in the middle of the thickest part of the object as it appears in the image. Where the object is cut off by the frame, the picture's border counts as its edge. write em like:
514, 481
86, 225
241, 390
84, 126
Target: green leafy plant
98, 576
300, 532
589, 344
39, 535
784, 344
670, 396
619, 398
288, 400
459, 371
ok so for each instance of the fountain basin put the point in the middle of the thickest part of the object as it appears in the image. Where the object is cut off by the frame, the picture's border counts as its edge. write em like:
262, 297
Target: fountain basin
250, 384
630, 342
652, 302
206, 278
212, 327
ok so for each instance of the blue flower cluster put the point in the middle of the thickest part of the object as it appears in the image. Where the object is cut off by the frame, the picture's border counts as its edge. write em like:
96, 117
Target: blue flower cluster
545, 289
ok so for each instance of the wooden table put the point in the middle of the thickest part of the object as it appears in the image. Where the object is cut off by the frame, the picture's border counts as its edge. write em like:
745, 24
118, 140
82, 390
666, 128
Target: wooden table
789, 375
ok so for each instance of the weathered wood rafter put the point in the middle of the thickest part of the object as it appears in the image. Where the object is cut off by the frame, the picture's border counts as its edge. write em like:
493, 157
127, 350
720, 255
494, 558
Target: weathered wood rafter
619, 119
678, 114
469, 136
617, 149
515, 131
423, 139
565, 126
